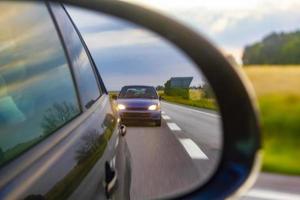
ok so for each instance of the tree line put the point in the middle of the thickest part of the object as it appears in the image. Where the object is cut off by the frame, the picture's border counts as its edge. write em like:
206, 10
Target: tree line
275, 48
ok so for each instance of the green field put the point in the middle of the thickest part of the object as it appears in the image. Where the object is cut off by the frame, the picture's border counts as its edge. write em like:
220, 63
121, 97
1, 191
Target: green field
278, 92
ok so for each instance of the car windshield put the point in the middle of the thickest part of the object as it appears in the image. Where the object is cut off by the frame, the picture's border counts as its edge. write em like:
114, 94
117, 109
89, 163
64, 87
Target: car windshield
143, 92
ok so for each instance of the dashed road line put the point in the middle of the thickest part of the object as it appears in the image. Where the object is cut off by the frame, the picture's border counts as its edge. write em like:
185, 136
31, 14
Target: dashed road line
189, 145
192, 149
163, 112
166, 117
173, 127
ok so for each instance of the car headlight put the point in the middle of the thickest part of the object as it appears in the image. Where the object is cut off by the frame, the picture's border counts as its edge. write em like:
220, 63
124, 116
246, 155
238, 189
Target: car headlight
121, 107
152, 107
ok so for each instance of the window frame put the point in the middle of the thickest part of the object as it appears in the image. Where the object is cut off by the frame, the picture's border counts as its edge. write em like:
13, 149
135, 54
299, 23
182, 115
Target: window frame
100, 84
92, 62
69, 62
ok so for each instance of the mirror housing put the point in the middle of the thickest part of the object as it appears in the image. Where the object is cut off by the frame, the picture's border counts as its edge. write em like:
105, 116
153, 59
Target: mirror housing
241, 154
122, 130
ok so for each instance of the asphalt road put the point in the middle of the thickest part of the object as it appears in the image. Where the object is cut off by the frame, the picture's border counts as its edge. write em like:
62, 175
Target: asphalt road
180, 154
184, 152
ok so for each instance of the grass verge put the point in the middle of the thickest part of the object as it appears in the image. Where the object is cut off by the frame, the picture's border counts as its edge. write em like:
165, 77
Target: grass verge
199, 103
278, 91
280, 117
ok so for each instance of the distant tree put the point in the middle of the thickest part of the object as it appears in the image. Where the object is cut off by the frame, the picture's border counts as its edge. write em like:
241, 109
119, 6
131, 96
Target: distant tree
57, 115
276, 48
167, 89
90, 143
207, 91
160, 88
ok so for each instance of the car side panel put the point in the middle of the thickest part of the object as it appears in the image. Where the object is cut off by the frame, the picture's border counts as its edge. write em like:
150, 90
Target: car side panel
70, 162
59, 171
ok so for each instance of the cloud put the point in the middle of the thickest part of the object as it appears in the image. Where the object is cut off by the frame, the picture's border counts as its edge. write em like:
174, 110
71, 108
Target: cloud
150, 64
232, 28
232, 24
128, 54
118, 38
178, 5
104, 31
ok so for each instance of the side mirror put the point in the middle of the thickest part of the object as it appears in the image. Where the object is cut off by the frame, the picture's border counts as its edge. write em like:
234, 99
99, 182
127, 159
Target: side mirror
122, 130
114, 97
231, 152
240, 156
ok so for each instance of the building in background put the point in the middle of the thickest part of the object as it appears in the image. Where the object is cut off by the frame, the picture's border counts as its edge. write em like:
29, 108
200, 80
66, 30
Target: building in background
178, 86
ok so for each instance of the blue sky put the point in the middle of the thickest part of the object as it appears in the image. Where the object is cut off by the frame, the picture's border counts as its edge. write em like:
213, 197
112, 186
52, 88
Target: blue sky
127, 54
232, 24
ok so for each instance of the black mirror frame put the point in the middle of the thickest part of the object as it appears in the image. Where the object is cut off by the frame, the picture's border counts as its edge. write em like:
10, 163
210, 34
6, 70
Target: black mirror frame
240, 159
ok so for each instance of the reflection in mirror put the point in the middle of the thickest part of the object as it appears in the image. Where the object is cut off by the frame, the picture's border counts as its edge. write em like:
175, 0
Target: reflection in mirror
37, 95
175, 143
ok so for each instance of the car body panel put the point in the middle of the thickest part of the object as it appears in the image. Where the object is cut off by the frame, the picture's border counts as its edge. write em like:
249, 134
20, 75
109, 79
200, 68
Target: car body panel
70, 163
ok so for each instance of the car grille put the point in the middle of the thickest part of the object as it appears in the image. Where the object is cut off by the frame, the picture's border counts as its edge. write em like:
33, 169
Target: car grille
136, 108
136, 115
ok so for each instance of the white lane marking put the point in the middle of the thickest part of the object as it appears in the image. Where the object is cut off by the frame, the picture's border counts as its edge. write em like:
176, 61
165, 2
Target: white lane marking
268, 194
192, 149
166, 117
163, 112
173, 127
195, 110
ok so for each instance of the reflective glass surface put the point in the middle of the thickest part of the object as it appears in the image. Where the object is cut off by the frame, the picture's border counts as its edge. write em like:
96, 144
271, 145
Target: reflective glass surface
37, 93
87, 82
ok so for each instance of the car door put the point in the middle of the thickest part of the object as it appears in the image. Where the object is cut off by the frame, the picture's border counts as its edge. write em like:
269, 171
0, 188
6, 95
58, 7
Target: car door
59, 133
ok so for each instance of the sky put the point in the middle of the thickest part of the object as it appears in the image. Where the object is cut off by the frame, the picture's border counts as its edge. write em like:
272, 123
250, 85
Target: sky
128, 54
232, 24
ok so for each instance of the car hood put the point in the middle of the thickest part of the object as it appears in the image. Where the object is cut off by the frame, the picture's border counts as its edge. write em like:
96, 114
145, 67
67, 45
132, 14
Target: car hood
137, 103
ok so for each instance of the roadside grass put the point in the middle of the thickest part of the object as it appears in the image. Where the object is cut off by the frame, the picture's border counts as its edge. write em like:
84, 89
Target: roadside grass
200, 103
195, 94
278, 91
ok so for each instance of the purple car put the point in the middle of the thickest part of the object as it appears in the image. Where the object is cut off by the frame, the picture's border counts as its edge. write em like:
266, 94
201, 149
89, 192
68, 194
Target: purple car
139, 103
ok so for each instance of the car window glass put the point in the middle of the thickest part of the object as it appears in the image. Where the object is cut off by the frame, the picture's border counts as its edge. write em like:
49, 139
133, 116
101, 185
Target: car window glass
37, 94
87, 82
138, 92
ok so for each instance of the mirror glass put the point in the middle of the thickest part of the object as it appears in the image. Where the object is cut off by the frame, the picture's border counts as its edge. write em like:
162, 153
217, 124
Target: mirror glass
59, 135
174, 128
